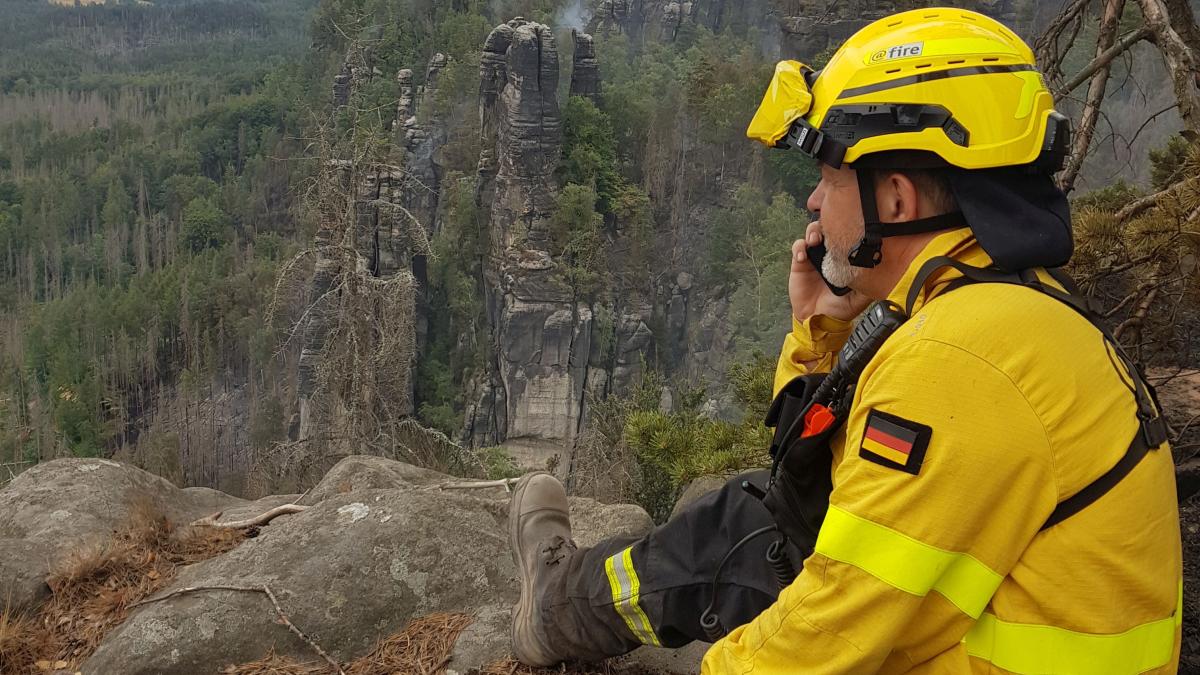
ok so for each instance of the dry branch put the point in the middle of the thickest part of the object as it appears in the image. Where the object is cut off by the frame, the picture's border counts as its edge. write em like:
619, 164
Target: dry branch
298, 633
1120, 306
1104, 60
1140, 206
194, 589
1135, 322
505, 483
8, 468
1046, 46
265, 590
1095, 96
256, 521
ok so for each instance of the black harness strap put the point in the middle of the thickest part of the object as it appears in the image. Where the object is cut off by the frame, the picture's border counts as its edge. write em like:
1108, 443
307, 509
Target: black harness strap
1152, 431
970, 275
1093, 491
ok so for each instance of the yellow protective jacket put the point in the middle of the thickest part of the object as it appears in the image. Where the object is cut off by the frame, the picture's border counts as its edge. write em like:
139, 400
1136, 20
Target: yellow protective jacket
943, 569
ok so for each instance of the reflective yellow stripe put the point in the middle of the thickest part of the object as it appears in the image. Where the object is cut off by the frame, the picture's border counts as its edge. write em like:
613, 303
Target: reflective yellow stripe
625, 585
635, 591
905, 563
617, 592
1025, 648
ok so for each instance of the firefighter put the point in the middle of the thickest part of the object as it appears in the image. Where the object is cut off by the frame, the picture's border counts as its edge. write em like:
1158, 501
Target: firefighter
995, 489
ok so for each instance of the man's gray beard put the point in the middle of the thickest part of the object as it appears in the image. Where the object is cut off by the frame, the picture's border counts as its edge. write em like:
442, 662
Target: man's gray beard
836, 268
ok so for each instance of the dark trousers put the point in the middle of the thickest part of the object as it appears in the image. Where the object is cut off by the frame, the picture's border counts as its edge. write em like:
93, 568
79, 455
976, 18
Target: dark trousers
627, 592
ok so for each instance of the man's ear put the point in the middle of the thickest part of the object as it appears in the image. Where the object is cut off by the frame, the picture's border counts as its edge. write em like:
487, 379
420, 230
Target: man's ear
898, 198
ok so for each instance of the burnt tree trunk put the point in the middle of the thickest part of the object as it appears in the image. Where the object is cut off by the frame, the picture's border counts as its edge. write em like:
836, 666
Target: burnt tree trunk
1181, 57
1184, 22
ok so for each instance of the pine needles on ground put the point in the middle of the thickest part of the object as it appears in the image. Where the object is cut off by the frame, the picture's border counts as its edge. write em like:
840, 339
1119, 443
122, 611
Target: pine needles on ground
93, 588
510, 666
424, 646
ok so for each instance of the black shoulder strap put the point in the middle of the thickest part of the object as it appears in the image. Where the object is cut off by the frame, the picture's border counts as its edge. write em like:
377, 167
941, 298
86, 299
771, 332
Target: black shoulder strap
1100, 487
971, 275
1152, 429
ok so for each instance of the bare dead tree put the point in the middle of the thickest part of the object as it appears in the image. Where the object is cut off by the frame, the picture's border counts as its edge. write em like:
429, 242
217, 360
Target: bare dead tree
1095, 96
1048, 47
1103, 61
1167, 24
352, 302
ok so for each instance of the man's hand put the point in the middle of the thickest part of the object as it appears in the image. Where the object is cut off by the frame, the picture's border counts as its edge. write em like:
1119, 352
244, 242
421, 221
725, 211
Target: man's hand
808, 292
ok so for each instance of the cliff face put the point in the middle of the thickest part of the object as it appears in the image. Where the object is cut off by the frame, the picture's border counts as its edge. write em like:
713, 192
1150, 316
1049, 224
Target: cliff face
809, 27
539, 334
419, 133
802, 28
551, 348
520, 125
646, 21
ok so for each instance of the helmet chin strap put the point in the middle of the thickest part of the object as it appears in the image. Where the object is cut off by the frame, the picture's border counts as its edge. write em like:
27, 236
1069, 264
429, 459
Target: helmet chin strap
869, 251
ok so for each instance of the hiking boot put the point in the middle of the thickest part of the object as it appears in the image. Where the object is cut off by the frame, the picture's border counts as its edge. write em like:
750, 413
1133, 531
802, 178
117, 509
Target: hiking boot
539, 531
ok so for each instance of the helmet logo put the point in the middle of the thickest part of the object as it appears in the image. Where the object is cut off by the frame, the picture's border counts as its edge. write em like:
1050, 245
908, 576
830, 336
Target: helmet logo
903, 51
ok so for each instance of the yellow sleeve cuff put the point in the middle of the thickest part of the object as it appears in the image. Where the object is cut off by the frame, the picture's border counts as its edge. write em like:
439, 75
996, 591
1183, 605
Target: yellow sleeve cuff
814, 341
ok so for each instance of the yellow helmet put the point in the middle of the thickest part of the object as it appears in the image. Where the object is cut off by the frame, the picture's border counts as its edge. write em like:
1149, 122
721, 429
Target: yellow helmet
950, 82
930, 88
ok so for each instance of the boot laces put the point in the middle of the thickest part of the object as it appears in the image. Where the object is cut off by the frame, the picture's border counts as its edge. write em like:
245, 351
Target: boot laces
554, 551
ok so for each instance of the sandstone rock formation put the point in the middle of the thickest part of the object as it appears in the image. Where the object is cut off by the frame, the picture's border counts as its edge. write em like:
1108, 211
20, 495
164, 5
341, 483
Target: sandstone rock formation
394, 213
611, 16
546, 340
585, 75
540, 334
420, 133
56, 507
379, 545
646, 21
552, 348
643, 20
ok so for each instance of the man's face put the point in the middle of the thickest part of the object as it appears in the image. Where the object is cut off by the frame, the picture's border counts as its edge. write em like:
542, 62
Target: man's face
837, 206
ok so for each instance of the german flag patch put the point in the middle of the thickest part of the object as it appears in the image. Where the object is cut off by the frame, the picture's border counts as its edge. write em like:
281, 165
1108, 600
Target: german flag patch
895, 442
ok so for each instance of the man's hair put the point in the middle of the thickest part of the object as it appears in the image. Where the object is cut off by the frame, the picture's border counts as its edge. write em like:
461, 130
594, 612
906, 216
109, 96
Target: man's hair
933, 184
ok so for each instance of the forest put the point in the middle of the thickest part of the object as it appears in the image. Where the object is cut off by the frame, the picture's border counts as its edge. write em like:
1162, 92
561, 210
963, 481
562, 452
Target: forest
146, 199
